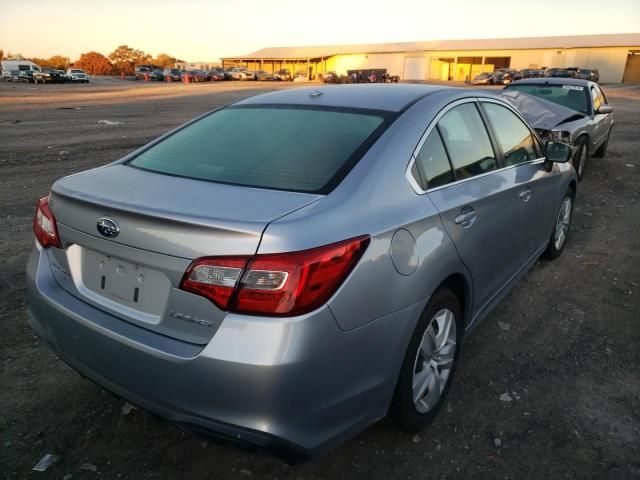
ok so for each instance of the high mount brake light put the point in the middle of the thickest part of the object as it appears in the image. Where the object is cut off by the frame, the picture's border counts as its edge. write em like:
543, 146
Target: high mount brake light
44, 225
279, 284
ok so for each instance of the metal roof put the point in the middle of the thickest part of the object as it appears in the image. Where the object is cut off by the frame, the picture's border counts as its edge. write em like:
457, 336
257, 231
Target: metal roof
375, 96
524, 43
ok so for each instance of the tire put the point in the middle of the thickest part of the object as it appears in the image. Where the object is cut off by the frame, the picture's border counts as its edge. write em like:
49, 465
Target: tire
602, 149
413, 416
556, 246
579, 159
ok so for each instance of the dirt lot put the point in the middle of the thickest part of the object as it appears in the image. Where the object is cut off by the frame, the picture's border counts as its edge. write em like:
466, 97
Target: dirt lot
563, 345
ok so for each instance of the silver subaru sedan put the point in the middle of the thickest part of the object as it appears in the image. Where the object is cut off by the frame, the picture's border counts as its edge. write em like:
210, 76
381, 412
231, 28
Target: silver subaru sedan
289, 269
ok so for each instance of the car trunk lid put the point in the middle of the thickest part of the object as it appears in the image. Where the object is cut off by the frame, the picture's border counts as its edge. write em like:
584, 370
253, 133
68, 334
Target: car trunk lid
164, 223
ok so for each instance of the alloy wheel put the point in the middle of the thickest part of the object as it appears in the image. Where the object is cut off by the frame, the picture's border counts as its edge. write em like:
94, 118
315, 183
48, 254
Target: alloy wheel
434, 361
562, 223
582, 161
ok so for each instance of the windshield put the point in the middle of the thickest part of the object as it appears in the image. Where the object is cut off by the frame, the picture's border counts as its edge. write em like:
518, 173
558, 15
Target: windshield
284, 148
77, 71
570, 96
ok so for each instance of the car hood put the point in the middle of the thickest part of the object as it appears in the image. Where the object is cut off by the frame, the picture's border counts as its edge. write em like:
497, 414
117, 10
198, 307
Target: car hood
541, 114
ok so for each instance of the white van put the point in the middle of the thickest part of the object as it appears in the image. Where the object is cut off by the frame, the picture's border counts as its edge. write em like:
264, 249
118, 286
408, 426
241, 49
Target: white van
11, 68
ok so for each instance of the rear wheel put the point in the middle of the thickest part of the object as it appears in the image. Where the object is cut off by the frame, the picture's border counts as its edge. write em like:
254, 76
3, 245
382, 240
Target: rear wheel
562, 226
429, 363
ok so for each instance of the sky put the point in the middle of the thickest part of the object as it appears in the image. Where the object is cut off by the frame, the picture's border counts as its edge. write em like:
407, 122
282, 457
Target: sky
205, 30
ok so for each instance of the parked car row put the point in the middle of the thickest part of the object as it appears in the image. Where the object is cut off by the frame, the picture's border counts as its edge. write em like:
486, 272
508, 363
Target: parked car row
154, 72
379, 75
28, 72
504, 76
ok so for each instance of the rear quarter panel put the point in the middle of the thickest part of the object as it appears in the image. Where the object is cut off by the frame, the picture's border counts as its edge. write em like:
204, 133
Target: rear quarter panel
376, 199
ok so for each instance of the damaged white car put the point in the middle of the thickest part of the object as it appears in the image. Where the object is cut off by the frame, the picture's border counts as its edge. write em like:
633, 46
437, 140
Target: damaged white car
565, 110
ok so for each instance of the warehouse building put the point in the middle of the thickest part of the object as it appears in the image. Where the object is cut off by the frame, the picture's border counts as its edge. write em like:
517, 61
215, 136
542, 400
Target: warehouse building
616, 56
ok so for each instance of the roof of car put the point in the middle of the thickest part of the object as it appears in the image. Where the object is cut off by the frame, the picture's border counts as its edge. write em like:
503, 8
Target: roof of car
391, 97
555, 81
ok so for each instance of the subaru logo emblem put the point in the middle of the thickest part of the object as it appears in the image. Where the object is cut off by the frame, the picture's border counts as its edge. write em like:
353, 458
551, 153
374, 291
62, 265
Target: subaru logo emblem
108, 227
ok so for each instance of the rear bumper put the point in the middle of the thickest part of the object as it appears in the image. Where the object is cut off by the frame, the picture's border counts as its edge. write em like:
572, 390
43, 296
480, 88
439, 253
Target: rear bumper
295, 387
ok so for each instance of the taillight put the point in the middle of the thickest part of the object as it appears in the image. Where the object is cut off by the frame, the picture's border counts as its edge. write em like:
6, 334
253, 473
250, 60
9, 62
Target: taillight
44, 225
280, 284
214, 278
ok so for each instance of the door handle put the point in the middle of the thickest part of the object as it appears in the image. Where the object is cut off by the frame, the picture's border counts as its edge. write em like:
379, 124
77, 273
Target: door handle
466, 217
525, 195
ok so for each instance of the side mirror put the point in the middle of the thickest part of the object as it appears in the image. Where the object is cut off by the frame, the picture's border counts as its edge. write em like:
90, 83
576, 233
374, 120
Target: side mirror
604, 109
557, 152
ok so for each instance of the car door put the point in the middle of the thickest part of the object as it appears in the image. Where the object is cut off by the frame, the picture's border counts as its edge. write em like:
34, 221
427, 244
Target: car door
536, 185
600, 120
458, 168
605, 120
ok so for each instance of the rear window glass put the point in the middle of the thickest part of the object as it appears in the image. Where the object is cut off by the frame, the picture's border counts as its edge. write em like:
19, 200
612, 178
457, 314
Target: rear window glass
295, 149
570, 96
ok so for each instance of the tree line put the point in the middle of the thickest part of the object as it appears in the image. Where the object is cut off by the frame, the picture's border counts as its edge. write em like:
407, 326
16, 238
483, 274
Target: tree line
121, 61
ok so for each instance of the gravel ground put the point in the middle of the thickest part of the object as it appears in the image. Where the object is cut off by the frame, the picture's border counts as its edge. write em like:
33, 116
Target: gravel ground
548, 385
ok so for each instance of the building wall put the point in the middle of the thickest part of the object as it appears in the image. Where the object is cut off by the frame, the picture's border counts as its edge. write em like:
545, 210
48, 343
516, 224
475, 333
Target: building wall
393, 62
609, 61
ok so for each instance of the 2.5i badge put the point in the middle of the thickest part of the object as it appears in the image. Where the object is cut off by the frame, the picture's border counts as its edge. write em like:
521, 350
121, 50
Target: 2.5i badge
190, 319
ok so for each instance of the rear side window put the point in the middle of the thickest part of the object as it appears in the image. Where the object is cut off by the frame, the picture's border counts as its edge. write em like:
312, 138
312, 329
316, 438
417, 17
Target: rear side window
296, 149
467, 141
513, 135
432, 165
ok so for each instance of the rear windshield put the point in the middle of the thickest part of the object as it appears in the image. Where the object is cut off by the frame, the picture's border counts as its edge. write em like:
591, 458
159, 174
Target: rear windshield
290, 148
570, 96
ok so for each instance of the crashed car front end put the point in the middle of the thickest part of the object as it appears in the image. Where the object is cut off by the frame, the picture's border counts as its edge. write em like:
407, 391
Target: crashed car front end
555, 135
553, 122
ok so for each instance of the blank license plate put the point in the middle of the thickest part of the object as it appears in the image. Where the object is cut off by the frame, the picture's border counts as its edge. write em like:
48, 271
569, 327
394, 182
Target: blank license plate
126, 283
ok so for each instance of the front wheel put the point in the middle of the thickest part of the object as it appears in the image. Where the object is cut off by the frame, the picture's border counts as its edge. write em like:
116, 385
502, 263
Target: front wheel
429, 363
562, 227
579, 159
